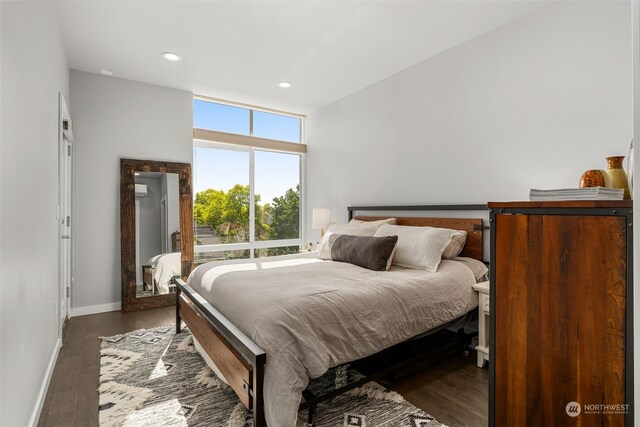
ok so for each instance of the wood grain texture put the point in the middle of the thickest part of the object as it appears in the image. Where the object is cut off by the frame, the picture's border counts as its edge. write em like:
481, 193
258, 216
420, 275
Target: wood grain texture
235, 370
128, 168
473, 247
564, 204
560, 301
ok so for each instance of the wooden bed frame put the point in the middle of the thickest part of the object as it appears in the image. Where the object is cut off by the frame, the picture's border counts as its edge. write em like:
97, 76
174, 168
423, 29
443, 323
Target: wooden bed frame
242, 362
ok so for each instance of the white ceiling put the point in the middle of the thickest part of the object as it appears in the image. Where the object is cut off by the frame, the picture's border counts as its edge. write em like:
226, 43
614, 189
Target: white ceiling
239, 50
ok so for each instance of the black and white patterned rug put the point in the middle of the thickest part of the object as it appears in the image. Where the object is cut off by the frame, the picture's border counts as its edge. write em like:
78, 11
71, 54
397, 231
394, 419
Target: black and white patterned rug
153, 377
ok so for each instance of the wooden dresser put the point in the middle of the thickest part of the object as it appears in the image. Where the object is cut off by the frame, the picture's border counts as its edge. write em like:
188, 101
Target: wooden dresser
561, 314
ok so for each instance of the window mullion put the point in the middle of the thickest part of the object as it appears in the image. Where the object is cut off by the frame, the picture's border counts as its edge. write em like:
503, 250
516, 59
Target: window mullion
302, 232
250, 122
252, 202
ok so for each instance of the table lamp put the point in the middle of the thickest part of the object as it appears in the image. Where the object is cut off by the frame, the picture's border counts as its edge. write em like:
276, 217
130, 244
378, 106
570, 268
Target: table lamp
321, 219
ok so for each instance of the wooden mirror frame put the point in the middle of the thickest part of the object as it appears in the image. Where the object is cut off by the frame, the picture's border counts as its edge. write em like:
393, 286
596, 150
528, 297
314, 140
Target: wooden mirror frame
128, 168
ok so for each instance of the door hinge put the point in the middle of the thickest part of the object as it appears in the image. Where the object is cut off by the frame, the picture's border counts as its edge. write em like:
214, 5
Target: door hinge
65, 124
67, 292
69, 150
68, 221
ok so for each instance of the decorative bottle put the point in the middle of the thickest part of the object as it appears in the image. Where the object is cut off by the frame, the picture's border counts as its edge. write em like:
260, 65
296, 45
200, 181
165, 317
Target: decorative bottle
618, 175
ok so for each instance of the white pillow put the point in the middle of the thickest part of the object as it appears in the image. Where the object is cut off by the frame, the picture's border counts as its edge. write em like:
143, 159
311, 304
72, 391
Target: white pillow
375, 224
418, 247
458, 239
324, 250
352, 230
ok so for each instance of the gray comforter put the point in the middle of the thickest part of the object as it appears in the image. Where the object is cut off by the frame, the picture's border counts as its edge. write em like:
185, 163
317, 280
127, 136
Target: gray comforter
310, 315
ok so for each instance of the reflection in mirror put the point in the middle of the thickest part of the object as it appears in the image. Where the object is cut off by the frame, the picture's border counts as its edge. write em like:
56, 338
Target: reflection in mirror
152, 250
157, 225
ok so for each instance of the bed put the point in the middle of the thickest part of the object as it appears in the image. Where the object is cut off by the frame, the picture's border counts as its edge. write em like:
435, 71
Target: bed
165, 268
312, 315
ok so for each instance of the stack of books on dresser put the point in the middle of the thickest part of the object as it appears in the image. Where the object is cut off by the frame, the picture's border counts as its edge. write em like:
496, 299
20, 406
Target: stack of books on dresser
593, 193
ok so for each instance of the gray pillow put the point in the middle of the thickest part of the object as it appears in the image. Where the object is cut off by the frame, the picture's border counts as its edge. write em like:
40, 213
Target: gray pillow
365, 251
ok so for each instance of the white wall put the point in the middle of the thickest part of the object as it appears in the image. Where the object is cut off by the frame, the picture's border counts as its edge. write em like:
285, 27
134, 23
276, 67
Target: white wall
115, 118
171, 188
531, 104
150, 243
1, 310
34, 71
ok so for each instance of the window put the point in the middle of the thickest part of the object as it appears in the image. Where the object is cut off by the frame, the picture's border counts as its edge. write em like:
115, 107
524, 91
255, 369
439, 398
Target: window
276, 126
277, 184
219, 117
247, 197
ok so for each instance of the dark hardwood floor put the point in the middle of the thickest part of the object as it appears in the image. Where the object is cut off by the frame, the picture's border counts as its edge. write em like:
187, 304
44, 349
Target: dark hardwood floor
72, 398
454, 391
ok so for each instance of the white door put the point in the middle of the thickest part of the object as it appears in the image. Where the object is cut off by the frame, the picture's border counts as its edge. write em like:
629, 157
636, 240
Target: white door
65, 169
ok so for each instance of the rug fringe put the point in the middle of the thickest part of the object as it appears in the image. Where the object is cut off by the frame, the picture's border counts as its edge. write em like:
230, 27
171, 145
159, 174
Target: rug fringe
375, 391
186, 345
206, 377
237, 417
123, 400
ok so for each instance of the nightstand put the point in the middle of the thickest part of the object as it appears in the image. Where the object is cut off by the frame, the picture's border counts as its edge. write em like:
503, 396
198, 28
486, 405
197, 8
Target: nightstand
483, 322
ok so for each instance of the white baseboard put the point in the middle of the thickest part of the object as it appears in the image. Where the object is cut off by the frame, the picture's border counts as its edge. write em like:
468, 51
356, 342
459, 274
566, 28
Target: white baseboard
35, 415
93, 309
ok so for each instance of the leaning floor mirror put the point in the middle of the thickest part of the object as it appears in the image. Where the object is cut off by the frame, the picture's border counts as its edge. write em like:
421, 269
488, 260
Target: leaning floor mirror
156, 231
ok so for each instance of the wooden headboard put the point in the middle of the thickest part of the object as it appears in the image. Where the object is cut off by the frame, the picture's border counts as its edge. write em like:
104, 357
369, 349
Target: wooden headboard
473, 248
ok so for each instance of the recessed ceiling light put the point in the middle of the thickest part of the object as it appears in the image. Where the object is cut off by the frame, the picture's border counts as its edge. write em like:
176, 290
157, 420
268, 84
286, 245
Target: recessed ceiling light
284, 84
106, 72
171, 56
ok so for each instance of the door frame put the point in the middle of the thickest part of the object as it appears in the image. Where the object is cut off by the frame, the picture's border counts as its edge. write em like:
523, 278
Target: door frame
65, 134
164, 228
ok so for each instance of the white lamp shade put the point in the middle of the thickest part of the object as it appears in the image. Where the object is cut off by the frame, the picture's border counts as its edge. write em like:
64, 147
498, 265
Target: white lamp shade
321, 218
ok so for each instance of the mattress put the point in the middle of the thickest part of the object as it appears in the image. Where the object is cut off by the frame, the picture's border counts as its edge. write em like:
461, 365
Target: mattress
310, 315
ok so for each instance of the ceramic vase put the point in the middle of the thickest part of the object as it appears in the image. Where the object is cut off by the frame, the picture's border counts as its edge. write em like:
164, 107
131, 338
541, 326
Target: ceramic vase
618, 175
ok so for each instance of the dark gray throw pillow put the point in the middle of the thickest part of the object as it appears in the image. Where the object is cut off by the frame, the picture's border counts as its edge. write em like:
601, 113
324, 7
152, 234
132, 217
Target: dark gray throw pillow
366, 251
